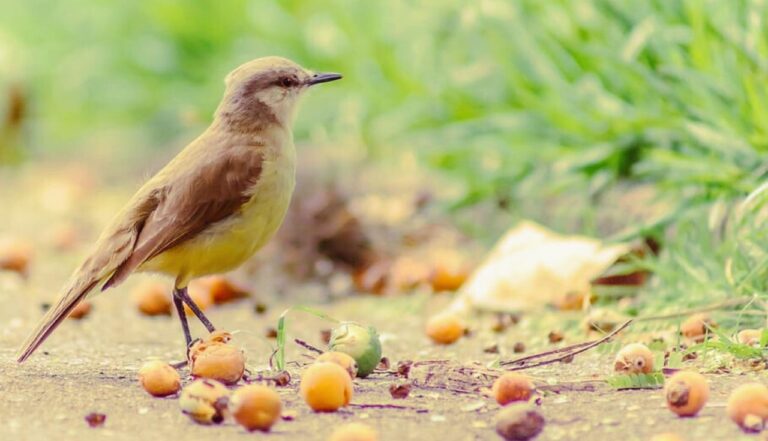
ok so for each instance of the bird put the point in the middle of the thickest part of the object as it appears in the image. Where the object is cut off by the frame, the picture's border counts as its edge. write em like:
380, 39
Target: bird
212, 206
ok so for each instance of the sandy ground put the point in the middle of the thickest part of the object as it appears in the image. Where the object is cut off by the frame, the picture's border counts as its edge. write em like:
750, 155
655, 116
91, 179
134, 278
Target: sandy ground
91, 365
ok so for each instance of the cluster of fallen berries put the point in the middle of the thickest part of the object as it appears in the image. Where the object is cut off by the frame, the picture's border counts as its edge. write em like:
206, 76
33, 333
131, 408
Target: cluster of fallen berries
326, 385
686, 392
153, 297
518, 420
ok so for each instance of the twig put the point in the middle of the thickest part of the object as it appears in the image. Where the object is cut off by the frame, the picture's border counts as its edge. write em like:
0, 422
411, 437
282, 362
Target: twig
272, 357
574, 350
546, 353
389, 406
385, 373
308, 346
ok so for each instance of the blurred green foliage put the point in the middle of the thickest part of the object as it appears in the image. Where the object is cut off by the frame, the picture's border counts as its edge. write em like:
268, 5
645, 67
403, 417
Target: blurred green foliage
526, 104
495, 92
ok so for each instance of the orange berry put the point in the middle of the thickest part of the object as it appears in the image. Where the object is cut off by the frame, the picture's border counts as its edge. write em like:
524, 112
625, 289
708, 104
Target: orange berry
205, 401
344, 360
215, 359
748, 406
445, 328
512, 387
15, 255
221, 289
406, 273
574, 301
519, 421
153, 298
448, 278
255, 407
373, 278
159, 378
686, 393
749, 337
326, 387
634, 358
201, 297
696, 327
80, 310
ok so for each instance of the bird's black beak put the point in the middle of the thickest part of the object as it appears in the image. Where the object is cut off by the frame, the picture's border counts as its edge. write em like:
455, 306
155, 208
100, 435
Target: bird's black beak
323, 78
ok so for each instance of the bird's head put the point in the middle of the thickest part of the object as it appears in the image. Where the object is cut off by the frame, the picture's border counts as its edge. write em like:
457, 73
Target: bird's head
265, 91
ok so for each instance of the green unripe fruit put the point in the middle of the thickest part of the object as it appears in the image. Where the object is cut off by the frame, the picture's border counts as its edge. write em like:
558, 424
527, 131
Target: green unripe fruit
359, 342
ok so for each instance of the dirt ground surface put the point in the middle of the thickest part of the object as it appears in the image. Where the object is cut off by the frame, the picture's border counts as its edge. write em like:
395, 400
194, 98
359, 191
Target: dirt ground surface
91, 365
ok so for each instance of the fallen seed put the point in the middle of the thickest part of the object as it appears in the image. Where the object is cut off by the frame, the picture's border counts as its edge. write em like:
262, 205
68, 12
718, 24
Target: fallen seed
400, 391
95, 419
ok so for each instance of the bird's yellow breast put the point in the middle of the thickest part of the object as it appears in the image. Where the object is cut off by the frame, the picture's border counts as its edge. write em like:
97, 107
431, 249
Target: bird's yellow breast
225, 245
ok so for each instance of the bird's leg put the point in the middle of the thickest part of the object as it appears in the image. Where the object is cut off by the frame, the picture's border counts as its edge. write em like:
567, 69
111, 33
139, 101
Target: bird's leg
177, 301
184, 296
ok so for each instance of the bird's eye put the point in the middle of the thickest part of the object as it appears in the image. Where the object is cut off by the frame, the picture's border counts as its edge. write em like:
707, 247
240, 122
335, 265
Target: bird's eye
288, 82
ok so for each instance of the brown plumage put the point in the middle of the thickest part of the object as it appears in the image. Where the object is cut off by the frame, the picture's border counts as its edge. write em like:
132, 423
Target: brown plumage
214, 204
214, 191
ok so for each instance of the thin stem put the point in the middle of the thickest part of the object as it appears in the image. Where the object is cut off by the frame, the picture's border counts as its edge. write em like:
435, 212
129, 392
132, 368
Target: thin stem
570, 351
308, 346
713, 307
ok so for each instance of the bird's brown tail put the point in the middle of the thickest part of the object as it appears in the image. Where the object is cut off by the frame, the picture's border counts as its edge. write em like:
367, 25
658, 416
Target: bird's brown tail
75, 293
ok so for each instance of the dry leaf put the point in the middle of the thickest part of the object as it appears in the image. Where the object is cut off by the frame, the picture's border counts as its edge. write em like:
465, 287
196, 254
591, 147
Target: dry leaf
532, 266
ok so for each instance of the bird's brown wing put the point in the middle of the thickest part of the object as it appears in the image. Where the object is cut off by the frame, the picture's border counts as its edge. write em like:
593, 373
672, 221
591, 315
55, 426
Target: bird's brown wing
114, 246
209, 193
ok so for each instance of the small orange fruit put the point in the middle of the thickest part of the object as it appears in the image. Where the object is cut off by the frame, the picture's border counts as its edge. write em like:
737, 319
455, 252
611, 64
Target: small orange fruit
326, 387
448, 278
214, 358
697, 326
15, 255
201, 297
512, 387
153, 298
519, 421
748, 406
81, 310
221, 289
255, 407
445, 328
407, 273
344, 360
574, 301
159, 378
373, 278
686, 393
749, 337
354, 432
205, 401
634, 358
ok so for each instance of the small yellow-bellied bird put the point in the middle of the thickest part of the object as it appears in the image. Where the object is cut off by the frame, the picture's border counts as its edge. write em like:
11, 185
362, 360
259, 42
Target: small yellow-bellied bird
214, 205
